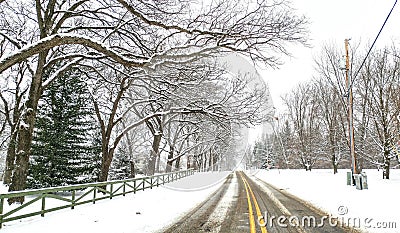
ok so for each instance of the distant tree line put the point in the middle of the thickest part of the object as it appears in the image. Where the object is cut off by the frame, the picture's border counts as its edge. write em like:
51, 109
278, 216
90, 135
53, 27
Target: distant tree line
313, 133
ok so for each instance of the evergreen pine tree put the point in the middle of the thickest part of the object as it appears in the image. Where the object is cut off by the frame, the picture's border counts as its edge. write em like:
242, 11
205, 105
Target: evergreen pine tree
120, 167
65, 148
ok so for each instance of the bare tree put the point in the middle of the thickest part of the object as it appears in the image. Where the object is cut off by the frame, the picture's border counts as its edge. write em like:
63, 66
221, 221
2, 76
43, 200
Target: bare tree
282, 141
303, 107
384, 77
133, 34
108, 120
330, 68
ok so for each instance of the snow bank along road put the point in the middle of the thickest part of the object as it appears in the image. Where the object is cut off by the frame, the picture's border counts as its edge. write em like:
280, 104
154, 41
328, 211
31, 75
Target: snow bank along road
143, 212
244, 204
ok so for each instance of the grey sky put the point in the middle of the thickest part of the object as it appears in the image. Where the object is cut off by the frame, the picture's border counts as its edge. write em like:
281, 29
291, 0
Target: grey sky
332, 22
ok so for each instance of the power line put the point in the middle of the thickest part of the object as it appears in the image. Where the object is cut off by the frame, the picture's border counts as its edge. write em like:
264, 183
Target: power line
370, 49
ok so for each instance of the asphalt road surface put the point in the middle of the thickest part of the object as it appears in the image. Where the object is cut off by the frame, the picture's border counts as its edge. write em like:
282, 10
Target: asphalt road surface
249, 205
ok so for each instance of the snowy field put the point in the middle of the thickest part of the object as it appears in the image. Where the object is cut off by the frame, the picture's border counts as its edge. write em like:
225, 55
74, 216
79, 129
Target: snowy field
145, 211
374, 208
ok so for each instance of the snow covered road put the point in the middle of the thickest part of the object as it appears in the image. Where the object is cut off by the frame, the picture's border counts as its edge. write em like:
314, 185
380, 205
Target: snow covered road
211, 214
245, 204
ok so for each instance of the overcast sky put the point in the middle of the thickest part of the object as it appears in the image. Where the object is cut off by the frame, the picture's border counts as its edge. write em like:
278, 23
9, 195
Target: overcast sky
332, 21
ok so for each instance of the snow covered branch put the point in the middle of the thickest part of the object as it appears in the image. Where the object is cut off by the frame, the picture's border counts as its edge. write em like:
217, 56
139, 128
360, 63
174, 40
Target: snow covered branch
60, 72
65, 39
175, 110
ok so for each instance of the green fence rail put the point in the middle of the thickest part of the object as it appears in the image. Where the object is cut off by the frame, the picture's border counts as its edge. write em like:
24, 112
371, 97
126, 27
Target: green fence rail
74, 195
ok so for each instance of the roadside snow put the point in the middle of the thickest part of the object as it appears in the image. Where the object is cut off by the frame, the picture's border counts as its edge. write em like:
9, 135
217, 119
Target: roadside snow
216, 219
199, 182
375, 207
145, 211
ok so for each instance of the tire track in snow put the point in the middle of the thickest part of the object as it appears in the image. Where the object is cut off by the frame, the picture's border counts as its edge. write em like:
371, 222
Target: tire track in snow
195, 221
219, 214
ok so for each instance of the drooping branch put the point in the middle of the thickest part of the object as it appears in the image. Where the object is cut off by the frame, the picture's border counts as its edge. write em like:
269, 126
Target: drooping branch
64, 39
177, 110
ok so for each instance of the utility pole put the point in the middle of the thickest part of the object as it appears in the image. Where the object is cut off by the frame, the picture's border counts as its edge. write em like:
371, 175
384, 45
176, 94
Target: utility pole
350, 111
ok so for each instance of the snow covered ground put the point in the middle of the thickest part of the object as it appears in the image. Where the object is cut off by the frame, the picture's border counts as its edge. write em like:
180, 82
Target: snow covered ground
145, 211
376, 208
151, 210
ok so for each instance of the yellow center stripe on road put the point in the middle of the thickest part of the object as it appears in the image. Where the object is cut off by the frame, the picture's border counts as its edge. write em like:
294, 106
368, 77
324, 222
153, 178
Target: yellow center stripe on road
259, 215
251, 217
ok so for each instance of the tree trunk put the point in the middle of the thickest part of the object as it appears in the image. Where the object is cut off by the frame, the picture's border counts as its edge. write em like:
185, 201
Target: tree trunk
177, 163
210, 165
25, 132
157, 168
307, 166
196, 162
215, 163
132, 175
10, 158
334, 161
335, 166
106, 160
386, 164
24, 141
387, 171
130, 149
188, 163
154, 154
201, 158
333, 154
169, 161
204, 161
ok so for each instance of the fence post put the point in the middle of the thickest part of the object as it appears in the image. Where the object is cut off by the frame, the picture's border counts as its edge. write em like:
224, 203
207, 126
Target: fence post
134, 186
151, 182
94, 195
1, 211
111, 191
73, 199
124, 189
43, 205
